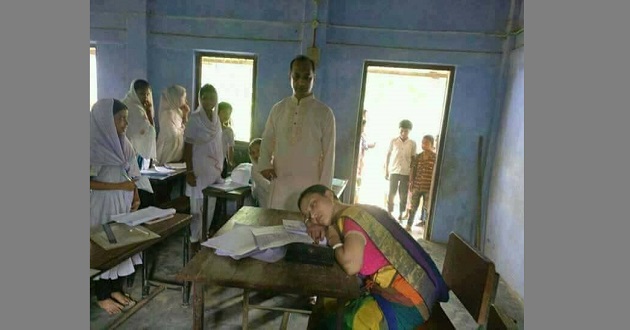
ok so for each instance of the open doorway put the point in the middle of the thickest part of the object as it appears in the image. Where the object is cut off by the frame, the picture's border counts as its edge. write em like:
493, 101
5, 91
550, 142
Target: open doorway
392, 92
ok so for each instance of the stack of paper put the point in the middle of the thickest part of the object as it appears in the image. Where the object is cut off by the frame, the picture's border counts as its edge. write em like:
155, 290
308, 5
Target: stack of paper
228, 185
263, 243
143, 215
175, 166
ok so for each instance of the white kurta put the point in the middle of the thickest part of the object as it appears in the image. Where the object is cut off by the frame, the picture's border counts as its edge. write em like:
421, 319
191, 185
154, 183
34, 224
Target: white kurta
170, 141
104, 203
301, 139
260, 186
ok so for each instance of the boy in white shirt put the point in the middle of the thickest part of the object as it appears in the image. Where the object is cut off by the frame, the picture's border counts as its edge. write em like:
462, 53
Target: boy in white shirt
402, 148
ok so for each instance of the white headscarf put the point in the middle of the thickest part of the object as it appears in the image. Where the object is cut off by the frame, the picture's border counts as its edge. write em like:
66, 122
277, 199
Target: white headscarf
170, 140
201, 130
106, 146
140, 131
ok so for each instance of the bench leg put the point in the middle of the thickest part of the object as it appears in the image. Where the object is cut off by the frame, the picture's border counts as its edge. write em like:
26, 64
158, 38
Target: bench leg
245, 308
198, 306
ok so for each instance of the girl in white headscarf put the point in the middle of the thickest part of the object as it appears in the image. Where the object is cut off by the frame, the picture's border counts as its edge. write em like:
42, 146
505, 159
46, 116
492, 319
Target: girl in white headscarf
173, 117
141, 131
203, 154
113, 167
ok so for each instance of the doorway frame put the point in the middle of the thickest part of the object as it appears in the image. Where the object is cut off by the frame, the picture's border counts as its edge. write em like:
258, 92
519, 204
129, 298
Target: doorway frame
443, 138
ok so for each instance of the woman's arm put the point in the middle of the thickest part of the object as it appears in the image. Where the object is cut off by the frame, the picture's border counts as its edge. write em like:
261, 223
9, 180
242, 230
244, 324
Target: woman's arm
190, 175
349, 255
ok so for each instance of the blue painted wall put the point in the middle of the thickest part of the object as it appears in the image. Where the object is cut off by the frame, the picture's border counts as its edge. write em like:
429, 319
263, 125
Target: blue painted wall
505, 236
467, 35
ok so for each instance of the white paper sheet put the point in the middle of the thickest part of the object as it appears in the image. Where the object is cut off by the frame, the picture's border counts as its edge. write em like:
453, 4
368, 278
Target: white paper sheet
275, 236
236, 242
143, 215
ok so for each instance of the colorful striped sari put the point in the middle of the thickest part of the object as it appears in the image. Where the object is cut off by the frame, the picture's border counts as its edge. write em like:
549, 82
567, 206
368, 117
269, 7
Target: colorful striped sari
399, 295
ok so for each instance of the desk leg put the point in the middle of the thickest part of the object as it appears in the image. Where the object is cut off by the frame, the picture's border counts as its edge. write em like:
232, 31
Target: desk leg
145, 275
186, 284
198, 305
341, 303
204, 219
245, 308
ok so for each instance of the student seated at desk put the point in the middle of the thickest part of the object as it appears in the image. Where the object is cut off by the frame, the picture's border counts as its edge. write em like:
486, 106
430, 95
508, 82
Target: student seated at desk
203, 154
401, 283
260, 184
113, 165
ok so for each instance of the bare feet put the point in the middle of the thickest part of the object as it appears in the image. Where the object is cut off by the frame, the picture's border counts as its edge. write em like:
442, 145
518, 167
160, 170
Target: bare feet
110, 306
123, 299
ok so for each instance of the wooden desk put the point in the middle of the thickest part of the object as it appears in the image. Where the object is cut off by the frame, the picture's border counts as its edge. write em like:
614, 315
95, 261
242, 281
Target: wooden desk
103, 260
250, 274
220, 212
163, 184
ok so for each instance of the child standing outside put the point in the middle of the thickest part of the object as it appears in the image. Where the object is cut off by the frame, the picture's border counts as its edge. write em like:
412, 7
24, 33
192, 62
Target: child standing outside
203, 154
420, 178
400, 151
225, 113
260, 185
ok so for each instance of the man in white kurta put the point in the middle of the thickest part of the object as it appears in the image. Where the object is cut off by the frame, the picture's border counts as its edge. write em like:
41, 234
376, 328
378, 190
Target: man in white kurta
300, 138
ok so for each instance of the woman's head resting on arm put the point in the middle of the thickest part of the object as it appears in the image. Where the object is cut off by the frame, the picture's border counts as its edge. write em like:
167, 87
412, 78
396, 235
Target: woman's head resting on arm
318, 203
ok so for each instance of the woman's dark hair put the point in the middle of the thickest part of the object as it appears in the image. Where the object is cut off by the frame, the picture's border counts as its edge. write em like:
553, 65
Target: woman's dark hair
224, 106
118, 106
141, 84
207, 89
429, 138
316, 189
405, 124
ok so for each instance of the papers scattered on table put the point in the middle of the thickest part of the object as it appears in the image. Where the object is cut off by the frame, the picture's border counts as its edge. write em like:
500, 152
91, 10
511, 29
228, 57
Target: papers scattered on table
228, 185
294, 226
143, 215
266, 243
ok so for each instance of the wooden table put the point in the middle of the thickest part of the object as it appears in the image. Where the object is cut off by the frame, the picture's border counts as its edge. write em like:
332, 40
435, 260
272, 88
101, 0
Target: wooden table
163, 184
250, 274
220, 214
102, 260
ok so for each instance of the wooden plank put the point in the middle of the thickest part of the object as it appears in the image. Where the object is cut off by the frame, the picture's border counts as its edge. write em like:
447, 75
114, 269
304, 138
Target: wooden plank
438, 320
471, 276
498, 320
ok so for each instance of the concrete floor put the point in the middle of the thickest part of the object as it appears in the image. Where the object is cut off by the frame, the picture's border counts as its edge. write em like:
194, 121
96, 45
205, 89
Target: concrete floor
223, 306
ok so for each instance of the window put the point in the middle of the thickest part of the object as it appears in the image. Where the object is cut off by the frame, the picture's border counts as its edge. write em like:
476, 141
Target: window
93, 90
233, 77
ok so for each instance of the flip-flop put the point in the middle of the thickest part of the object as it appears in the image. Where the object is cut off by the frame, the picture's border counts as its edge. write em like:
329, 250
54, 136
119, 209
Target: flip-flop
131, 302
127, 306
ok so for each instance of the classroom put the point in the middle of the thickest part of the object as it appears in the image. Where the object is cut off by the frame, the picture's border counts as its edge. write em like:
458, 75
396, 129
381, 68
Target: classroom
454, 69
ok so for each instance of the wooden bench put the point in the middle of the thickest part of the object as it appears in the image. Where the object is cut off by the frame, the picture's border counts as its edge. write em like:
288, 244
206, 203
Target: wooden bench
472, 278
498, 320
181, 204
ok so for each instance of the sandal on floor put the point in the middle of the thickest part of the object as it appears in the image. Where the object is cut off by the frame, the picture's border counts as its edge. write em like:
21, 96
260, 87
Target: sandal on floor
130, 304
